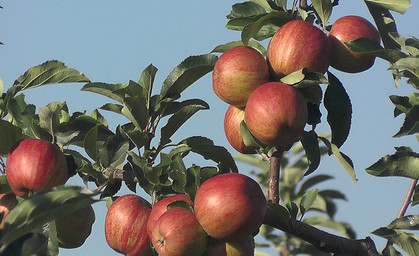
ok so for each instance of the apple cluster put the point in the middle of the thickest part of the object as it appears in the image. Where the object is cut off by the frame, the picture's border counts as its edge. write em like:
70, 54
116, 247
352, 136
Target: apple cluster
223, 218
275, 113
35, 165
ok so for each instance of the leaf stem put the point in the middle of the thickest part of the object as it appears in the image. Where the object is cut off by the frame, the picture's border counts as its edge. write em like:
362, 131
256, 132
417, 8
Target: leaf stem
408, 198
274, 172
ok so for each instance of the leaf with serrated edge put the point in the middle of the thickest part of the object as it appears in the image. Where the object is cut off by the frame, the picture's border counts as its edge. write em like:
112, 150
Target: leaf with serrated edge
399, 6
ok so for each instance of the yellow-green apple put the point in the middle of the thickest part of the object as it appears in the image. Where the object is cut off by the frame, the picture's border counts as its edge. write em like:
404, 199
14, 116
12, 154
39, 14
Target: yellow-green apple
161, 207
126, 226
73, 229
178, 233
237, 73
35, 165
8, 201
346, 29
232, 120
296, 45
244, 247
230, 206
276, 114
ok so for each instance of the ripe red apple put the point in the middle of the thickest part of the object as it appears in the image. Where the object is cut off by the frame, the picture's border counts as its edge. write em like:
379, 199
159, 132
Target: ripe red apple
296, 45
238, 72
230, 206
126, 226
35, 165
232, 120
73, 229
161, 207
276, 114
7, 203
346, 29
178, 233
244, 247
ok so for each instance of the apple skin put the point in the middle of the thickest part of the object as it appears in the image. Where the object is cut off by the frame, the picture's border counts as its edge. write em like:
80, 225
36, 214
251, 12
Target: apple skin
230, 206
161, 207
237, 73
73, 229
346, 29
126, 226
276, 114
296, 45
35, 165
244, 247
7, 203
178, 233
232, 120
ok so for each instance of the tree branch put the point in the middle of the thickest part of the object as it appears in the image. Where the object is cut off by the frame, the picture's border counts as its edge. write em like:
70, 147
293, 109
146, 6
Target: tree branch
320, 239
274, 172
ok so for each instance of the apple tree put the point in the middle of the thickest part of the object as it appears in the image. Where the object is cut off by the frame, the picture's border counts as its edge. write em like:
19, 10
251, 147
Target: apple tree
141, 154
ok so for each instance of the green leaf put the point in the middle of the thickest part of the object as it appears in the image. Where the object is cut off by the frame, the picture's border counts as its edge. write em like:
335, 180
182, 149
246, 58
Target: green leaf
367, 46
50, 72
307, 200
225, 47
146, 81
206, 148
4, 185
404, 104
339, 110
410, 222
248, 138
253, 160
180, 117
399, 6
295, 77
279, 210
9, 135
389, 250
292, 209
263, 3
114, 151
42, 208
342, 159
90, 143
186, 73
323, 8
410, 64
271, 21
108, 90
340, 227
403, 163
408, 242
136, 111
1, 86
312, 181
310, 143
246, 9
411, 123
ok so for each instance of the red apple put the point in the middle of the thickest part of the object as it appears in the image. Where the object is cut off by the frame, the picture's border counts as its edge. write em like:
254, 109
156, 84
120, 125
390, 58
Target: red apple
35, 165
346, 29
178, 233
296, 45
230, 206
126, 226
73, 229
161, 207
276, 114
244, 247
238, 72
232, 120
7, 203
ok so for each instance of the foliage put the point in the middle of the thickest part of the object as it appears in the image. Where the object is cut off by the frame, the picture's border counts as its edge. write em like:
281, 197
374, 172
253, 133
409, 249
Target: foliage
142, 148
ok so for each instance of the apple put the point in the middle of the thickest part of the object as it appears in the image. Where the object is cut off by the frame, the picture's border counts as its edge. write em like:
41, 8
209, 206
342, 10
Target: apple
8, 201
73, 229
296, 45
35, 165
161, 207
238, 72
126, 226
178, 233
230, 206
244, 247
346, 29
276, 114
232, 120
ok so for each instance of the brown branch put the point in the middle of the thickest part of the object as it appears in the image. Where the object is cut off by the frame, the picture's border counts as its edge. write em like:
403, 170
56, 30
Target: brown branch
274, 172
320, 239
407, 199
121, 175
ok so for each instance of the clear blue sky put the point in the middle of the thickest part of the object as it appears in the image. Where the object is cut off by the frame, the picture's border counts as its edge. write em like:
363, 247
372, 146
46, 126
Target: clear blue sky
113, 41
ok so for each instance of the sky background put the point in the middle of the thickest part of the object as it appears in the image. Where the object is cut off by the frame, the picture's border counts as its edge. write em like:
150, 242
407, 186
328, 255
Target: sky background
113, 41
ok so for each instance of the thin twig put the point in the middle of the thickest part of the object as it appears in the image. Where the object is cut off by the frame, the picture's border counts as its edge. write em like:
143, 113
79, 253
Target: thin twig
274, 172
407, 199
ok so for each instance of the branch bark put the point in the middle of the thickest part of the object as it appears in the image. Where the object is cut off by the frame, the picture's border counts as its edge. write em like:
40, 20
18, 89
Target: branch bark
274, 172
320, 239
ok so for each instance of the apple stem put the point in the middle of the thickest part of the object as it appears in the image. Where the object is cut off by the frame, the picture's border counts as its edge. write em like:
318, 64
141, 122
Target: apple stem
274, 172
